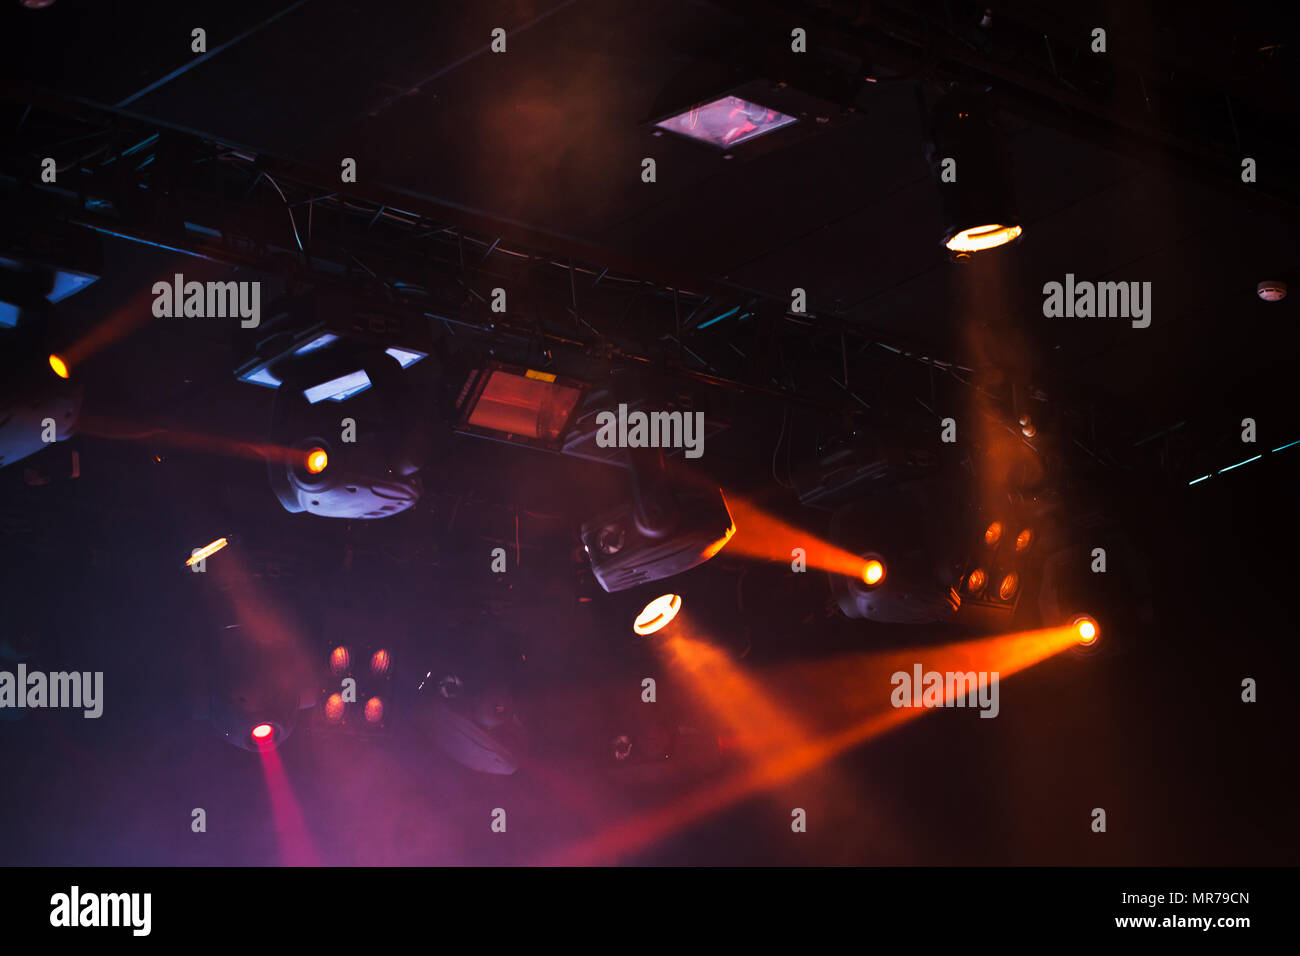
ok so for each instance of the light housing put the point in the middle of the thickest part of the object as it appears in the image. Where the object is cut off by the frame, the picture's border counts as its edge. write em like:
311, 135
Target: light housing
726, 121
662, 531
518, 405
971, 163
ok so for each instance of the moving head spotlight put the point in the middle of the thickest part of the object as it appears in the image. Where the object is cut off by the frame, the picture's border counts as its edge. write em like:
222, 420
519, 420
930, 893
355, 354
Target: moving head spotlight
358, 460
665, 529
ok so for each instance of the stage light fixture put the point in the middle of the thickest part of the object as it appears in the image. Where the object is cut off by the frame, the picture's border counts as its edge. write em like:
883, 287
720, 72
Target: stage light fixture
381, 662
1009, 586
915, 524
335, 708
340, 661
975, 581
726, 122
262, 732
371, 477
374, 711
518, 405
657, 614
30, 396
666, 528
317, 340
971, 164
1024, 540
993, 533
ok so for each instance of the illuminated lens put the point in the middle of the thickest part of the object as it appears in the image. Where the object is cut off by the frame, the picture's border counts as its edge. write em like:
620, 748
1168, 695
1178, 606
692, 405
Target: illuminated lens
262, 731
1024, 540
993, 533
374, 710
60, 367
975, 581
317, 460
1009, 585
873, 572
334, 708
979, 238
340, 661
657, 614
1086, 628
380, 662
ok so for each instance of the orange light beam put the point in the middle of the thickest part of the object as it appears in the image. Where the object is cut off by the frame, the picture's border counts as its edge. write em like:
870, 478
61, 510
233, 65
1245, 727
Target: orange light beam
864, 679
120, 430
124, 320
756, 724
764, 537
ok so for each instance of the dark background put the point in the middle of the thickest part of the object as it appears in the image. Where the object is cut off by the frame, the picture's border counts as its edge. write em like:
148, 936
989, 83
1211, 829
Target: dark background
548, 136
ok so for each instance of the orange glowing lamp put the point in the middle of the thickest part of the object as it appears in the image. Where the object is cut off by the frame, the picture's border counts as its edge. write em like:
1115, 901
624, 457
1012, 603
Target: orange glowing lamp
1087, 630
975, 581
374, 710
317, 460
340, 661
1010, 584
1024, 540
334, 708
873, 571
657, 614
979, 238
59, 366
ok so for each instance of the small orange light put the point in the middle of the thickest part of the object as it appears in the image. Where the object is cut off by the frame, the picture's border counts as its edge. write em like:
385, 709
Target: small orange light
334, 708
873, 572
975, 581
657, 614
1010, 584
262, 731
340, 661
1087, 630
381, 662
317, 460
374, 710
60, 367
1024, 540
993, 533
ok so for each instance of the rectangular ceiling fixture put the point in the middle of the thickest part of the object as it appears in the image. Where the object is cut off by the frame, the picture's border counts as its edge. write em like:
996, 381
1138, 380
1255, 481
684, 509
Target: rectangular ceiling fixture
726, 122
518, 405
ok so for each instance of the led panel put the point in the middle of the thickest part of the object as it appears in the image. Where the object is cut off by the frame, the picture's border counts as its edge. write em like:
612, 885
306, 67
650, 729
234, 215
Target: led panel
337, 389
726, 122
